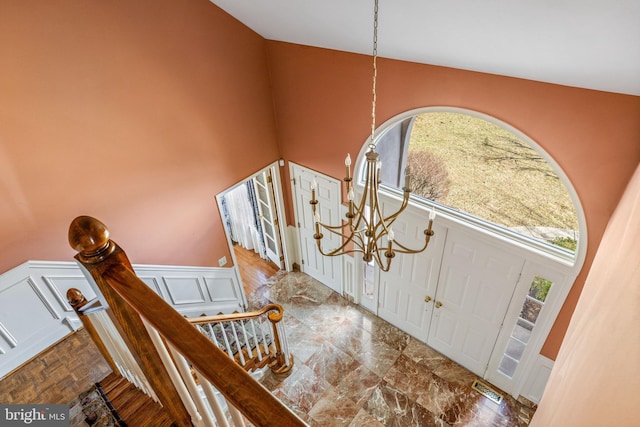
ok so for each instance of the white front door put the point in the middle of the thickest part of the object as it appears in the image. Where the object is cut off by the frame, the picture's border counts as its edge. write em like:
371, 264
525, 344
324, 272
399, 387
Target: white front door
476, 283
327, 270
407, 290
268, 215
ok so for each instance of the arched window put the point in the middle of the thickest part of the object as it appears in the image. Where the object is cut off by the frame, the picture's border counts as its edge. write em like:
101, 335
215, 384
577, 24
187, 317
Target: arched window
482, 171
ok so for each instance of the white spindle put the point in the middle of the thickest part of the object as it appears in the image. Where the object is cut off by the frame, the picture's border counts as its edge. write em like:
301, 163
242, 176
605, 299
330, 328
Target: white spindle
226, 341
214, 404
106, 329
212, 333
236, 416
246, 340
185, 373
238, 347
256, 339
186, 398
284, 344
267, 347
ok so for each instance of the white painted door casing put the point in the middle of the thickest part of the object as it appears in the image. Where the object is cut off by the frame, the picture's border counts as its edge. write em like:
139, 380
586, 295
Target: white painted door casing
268, 216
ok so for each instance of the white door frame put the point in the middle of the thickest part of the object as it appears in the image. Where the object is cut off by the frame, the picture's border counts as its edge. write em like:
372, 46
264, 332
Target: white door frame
279, 206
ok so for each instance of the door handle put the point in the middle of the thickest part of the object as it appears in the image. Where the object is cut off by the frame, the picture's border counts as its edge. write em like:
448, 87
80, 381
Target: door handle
427, 298
438, 304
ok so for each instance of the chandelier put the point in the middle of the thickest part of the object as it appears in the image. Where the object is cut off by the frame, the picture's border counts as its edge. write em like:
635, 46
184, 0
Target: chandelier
366, 229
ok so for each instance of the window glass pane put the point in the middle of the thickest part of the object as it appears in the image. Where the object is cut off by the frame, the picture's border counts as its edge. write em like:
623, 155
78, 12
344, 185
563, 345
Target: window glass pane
265, 212
530, 310
263, 193
522, 330
515, 349
508, 366
268, 228
479, 168
540, 288
271, 244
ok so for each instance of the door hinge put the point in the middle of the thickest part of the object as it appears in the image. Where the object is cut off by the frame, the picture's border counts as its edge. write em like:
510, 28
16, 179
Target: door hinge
302, 262
269, 179
275, 221
293, 180
298, 224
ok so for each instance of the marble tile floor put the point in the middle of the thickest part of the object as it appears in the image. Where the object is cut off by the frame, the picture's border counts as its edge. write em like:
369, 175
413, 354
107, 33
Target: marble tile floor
355, 369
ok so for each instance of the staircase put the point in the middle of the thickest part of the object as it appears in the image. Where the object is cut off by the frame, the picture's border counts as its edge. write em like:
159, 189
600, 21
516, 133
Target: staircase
133, 406
199, 370
252, 339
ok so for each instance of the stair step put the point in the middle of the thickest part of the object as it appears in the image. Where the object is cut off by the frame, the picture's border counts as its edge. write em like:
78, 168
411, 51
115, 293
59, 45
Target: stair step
132, 405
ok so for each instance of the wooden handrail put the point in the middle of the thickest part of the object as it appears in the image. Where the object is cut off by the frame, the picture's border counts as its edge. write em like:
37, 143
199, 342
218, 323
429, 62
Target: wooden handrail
277, 315
126, 294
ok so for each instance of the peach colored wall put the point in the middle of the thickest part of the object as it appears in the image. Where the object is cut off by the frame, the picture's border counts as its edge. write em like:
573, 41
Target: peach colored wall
323, 101
135, 112
596, 377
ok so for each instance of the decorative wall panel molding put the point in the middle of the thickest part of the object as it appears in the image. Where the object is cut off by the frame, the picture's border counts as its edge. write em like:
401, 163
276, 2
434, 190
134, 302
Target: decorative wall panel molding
35, 314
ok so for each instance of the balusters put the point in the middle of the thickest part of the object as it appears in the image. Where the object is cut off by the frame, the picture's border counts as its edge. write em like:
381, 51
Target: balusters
237, 341
246, 341
210, 393
267, 347
185, 372
256, 339
284, 343
174, 374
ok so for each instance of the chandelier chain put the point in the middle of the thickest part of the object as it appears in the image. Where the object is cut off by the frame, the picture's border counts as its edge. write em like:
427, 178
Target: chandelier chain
375, 74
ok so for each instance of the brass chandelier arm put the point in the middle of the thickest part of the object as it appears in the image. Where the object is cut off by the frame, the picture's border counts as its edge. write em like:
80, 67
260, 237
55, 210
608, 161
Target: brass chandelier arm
405, 250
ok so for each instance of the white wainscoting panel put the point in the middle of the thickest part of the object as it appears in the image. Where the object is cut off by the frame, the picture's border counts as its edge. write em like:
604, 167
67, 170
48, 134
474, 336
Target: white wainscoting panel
35, 313
537, 380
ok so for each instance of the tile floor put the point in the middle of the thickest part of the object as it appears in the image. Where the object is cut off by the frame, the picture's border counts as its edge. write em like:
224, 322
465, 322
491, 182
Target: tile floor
354, 369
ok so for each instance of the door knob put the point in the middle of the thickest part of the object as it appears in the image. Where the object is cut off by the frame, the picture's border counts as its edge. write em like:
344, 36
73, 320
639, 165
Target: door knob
438, 304
427, 298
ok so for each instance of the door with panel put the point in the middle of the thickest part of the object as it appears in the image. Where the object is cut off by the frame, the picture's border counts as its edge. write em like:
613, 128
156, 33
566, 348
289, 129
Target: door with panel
327, 270
263, 184
407, 290
475, 287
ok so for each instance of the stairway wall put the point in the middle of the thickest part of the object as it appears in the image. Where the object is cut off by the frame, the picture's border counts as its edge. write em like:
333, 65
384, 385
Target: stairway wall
35, 314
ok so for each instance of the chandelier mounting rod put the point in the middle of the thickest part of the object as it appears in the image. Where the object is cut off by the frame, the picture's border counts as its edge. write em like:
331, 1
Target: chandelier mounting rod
366, 229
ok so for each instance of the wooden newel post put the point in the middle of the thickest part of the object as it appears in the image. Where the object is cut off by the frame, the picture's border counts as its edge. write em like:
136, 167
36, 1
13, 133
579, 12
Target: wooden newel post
98, 254
280, 368
77, 301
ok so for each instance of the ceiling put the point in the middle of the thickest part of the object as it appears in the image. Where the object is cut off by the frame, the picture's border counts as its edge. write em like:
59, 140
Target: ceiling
593, 44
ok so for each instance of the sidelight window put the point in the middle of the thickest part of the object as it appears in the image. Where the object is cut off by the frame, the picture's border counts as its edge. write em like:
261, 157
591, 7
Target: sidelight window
533, 303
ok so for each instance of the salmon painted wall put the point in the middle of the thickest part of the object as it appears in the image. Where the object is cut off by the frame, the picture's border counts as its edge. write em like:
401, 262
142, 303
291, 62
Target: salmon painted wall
599, 356
323, 102
137, 113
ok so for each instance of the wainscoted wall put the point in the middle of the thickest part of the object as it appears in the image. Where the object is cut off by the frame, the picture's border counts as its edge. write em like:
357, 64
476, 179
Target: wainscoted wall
34, 312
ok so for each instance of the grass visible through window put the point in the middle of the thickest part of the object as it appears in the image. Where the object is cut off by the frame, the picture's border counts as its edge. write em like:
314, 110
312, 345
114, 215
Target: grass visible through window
491, 174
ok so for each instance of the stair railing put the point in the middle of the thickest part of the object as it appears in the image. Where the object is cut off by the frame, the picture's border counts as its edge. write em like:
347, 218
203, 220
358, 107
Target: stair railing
167, 347
253, 339
110, 342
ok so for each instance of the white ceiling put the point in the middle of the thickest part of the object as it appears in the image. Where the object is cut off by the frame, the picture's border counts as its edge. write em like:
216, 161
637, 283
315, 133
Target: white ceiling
593, 44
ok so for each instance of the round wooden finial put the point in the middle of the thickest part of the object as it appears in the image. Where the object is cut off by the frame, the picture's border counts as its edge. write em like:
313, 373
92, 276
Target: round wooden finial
88, 236
75, 297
